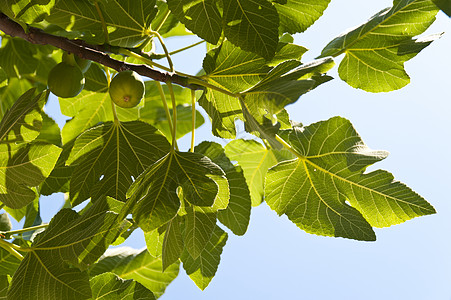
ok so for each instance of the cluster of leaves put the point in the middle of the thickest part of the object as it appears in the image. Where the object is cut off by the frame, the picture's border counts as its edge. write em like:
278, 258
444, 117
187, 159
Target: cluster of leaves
121, 168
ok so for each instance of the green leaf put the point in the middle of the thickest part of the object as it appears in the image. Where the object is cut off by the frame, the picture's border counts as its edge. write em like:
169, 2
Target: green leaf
237, 214
4, 285
201, 17
32, 218
108, 156
154, 114
138, 265
128, 21
155, 190
199, 226
255, 160
376, 50
154, 241
24, 167
298, 15
173, 243
69, 239
235, 70
23, 121
3, 78
59, 178
223, 111
325, 190
11, 92
26, 10
91, 106
8, 263
25, 162
110, 286
252, 26
170, 23
50, 131
444, 5
203, 269
19, 213
284, 84
19, 58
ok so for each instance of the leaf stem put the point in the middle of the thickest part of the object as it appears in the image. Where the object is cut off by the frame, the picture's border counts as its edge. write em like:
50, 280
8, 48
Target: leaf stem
8, 247
18, 231
168, 12
168, 56
288, 147
113, 106
186, 48
193, 119
165, 105
145, 43
143, 59
174, 116
102, 19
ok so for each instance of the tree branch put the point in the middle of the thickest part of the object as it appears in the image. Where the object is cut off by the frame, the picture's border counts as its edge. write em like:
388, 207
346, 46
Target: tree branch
87, 51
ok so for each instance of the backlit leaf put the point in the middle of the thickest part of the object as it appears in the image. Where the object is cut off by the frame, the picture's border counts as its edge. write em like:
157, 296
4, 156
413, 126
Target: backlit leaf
201, 17
252, 25
325, 190
199, 226
24, 163
203, 269
237, 214
173, 243
26, 10
138, 265
109, 156
110, 286
155, 190
69, 239
127, 20
376, 50
255, 160
297, 15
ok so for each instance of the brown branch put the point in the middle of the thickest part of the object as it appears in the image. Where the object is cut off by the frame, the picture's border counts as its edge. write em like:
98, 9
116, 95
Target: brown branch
87, 51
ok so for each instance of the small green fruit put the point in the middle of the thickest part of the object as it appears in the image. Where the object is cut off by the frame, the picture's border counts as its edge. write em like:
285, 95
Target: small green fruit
72, 59
65, 80
127, 89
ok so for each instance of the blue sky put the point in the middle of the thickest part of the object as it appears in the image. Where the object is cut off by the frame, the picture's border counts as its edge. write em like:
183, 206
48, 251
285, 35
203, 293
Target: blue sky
276, 260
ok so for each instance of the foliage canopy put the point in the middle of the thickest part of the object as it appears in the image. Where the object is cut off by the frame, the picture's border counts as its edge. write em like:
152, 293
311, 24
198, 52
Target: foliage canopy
121, 168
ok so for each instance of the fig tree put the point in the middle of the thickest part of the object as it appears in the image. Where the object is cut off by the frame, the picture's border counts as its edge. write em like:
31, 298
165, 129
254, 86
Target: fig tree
127, 89
65, 80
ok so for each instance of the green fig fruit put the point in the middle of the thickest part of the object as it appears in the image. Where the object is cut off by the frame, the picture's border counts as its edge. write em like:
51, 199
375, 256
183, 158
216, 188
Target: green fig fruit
65, 80
127, 89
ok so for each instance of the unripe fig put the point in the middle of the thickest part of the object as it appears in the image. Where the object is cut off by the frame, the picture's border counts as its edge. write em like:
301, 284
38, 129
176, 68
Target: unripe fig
72, 59
127, 89
65, 80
